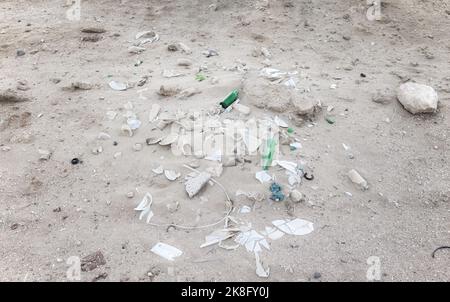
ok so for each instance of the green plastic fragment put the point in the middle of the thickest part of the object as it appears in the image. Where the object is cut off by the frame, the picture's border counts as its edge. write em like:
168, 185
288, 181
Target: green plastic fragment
330, 120
290, 130
230, 99
269, 153
200, 77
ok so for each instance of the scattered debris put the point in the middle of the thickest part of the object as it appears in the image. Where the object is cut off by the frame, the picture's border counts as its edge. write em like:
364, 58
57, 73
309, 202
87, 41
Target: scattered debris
145, 207
184, 48
357, 179
44, 154
184, 62
172, 47
93, 30
210, 53
294, 227
158, 170
118, 86
166, 251
439, 248
82, 85
200, 77
252, 240
145, 37
263, 176
277, 194
296, 196
92, 261
195, 184
169, 90
10, 96
260, 270
217, 236
171, 175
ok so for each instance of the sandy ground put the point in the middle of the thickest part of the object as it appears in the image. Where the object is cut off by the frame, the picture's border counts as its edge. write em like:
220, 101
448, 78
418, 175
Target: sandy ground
51, 210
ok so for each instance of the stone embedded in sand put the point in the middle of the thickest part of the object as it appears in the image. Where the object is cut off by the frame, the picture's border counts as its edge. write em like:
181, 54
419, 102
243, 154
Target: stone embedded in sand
382, 97
296, 196
10, 96
303, 106
82, 85
195, 184
262, 94
93, 30
92, 261
184, 62
169, 90
188, 92
417, 98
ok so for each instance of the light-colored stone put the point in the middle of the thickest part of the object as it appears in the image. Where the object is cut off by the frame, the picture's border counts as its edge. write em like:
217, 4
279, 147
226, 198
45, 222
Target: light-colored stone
357, 179
296, 196
303, 106
417, 98
184, 62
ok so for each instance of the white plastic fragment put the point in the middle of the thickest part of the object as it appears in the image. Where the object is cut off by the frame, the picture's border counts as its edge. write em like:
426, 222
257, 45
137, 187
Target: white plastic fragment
184, 48
134, 123
103, 136
126, 130
242, 108
166, 251
218, 236
158, 170
290, 83
260, 270
169, 139
296, 145
294, 227
215, 155
263, 176
171, 175
154, 111
273, 233
281, 123
118, 86
245, 210
252, 240
44, 154
272, 74
111, 115
195, 184
145, 207
147, 35
288, 165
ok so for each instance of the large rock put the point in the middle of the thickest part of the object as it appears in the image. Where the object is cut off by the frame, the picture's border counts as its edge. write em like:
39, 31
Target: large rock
303, 105
417, 98
276, 97
262, 94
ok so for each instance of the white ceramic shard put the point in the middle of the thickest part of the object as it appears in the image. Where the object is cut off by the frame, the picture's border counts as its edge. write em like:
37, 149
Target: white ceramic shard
294, 227
118, 86
166, 251
169, 139
171, 175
